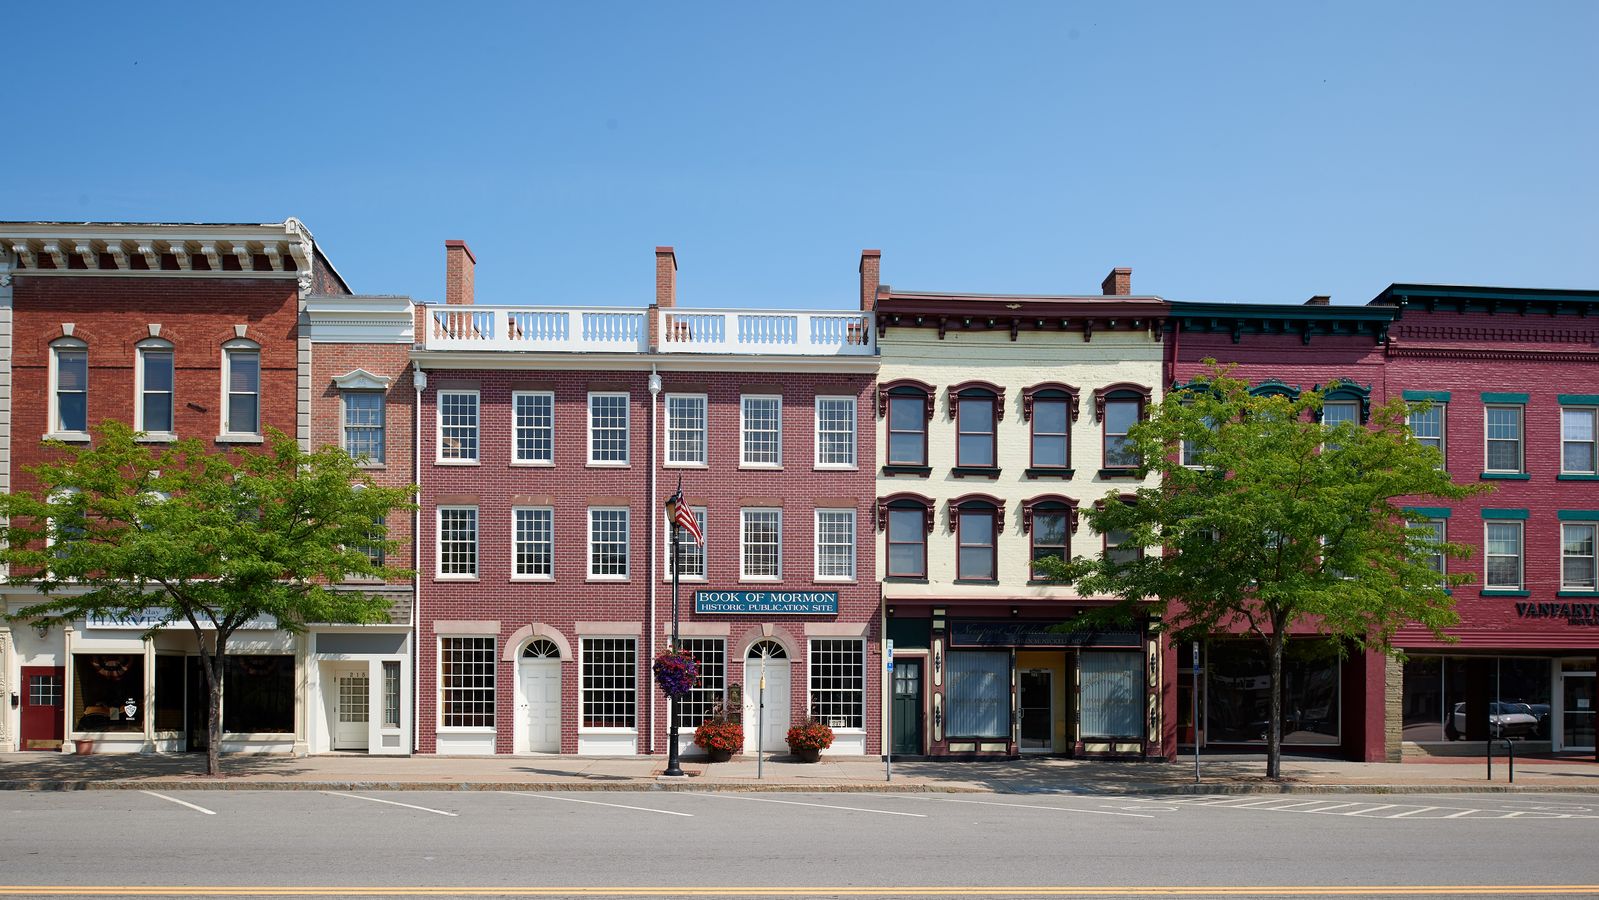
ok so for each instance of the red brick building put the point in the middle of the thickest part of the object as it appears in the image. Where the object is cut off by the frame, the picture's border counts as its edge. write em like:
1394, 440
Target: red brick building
550, 440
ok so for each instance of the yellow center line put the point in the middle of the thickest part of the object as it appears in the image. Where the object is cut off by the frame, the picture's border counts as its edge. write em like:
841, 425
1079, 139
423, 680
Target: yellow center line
1457, 890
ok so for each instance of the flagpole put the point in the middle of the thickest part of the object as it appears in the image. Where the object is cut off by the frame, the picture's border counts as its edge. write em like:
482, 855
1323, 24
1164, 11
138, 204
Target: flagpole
673, 769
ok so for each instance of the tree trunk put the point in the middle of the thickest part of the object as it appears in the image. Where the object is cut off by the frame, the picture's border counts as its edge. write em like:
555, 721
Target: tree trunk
1274, 733
211, 665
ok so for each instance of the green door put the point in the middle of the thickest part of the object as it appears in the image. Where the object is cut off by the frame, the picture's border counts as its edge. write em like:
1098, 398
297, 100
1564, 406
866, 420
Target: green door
907, 707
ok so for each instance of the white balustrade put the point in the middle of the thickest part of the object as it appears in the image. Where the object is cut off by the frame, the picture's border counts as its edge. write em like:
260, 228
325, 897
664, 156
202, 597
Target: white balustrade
767, 332
533, 328
614, 330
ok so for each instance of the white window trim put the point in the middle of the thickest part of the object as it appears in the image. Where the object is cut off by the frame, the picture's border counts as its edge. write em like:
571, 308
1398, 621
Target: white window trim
1594, 559
581, 652
743, 461
743, 557
810, 658
588, 557
438, 544
1521, 438
627, 428
816, 546
1521, 556
854, 434
438, 427
705, 432
383, 427
1593, 412
516, 460
226, 433
52, 432
438, 687
517, 576
1443, 538
666, 550
158, 345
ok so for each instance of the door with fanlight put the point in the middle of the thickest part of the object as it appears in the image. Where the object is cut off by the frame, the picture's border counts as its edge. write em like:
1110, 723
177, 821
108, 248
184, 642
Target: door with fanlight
540, 700
766, 711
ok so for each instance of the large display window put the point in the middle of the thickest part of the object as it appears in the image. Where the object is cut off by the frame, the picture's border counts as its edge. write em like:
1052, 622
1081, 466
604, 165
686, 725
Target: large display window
1453, 698
258, 694
1238, 684
108, 692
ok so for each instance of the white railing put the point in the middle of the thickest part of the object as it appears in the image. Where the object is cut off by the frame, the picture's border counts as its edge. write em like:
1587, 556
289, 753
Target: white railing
774, 332
621, 330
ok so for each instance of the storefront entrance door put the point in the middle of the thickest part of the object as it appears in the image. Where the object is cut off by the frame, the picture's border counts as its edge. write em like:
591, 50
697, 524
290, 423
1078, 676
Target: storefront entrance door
1036, 711
43, 713
1577, 711
907, 707
350, 732
769, 659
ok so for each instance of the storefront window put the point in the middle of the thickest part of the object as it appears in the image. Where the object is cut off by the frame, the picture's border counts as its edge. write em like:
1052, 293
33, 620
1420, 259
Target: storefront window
258, 694
1239, 686
979, 694
169, 693
1464, 697
104, 685
1112, 695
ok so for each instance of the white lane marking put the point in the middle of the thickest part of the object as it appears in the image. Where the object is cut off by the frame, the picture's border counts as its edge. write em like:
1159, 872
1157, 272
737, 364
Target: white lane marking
1330, 808
1092, 812
1273, 804
1464, 812
438, 812
1417, 811
180, 802
664, 812
885, 812
1361, 812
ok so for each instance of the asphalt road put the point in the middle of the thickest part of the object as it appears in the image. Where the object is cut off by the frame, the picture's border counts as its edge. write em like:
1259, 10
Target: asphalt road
407, 844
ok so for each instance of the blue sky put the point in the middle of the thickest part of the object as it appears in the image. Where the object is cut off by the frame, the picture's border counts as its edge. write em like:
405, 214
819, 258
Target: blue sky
1252, 152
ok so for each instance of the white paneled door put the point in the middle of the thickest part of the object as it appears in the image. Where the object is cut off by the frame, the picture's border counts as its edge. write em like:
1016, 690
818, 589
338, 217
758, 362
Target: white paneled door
776, 696
541, 704
350, 731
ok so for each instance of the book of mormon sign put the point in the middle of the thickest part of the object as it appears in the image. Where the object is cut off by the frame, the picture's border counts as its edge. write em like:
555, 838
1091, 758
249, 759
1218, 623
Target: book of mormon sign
798, 603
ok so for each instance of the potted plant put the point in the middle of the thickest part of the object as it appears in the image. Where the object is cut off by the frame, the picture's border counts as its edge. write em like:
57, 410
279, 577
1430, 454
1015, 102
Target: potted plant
721, 734
808, 739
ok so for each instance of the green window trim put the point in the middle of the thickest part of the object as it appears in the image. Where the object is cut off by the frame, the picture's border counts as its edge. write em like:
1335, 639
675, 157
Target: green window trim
1421, 396
1495, 397
1520, 514
1579, 399
1497, 592
1506, 476
1431, 512
1578, 515
1588, 594
1575, 476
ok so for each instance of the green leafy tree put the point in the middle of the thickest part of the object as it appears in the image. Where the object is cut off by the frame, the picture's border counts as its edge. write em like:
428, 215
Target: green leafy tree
213, 539
1277, 523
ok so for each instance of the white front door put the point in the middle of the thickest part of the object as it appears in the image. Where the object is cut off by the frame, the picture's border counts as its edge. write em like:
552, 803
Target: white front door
777, 705
541, 705
351, 717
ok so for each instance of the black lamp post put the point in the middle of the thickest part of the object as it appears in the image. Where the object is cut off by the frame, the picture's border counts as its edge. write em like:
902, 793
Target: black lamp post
673, 769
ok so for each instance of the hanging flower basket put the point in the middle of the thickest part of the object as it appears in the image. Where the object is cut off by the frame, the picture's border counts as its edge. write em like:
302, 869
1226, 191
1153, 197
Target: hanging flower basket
676, 671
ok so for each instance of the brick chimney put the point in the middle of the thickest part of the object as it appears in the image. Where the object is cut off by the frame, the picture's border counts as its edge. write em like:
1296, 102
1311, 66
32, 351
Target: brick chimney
871, 272
1319, 300
1119, 283
665, 277
459, 268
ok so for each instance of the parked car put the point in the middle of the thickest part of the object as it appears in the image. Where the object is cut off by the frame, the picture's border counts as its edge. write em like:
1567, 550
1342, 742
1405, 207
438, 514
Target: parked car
1505, 720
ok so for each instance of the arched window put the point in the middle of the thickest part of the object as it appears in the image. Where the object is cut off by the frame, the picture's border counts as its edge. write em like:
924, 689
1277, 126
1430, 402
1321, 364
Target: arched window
153, 387
977, 520
1050, 521
1118, 406
907, 519
69, 388
241, 388
542, 648
1345, 401
977, 407
766, 649
1051, 407
908, 405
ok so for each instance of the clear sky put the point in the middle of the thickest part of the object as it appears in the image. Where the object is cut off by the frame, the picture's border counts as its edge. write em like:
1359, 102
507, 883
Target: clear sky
1225, 151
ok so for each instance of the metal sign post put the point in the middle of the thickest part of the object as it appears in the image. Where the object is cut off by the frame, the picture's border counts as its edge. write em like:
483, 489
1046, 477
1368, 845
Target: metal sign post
888, 721
1194, 689
760, 722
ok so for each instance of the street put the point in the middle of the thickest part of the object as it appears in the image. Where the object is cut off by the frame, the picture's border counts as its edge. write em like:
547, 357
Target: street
631, 844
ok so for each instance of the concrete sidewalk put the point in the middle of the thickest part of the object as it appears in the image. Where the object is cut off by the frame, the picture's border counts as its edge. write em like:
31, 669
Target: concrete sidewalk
1220, 774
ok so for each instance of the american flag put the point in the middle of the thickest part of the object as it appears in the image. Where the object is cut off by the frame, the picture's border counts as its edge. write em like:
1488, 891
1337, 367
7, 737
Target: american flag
679, 513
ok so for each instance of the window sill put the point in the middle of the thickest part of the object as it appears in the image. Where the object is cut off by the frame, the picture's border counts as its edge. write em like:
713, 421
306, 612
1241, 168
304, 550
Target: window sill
822, 579
68, 437
584, 729
1050, 472
156, 437
531, 579
465, 729
1590, 593
608, 579
759, 467
763, 579
919, 471
456, 462
989, 472
1119, 472
532, 463
835, 467
685, 465
905, 579
684, 579
370, 466
987, 581
1576, 476
1506, 476
237, 438
592, 464
1503, 592
455, 578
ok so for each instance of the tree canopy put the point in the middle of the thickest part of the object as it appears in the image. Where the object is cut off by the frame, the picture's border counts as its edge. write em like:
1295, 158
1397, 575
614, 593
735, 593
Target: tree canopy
214, 539
1267, 520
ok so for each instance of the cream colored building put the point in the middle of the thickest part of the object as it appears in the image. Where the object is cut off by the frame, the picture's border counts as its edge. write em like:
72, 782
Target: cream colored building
998, 419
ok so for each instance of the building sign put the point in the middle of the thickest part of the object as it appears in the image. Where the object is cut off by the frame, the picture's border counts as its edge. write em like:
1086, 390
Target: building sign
780, 603
1035, 634
1573, 613
155, 616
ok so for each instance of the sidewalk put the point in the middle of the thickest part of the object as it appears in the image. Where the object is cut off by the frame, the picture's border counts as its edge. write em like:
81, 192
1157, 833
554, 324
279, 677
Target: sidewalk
1220, 774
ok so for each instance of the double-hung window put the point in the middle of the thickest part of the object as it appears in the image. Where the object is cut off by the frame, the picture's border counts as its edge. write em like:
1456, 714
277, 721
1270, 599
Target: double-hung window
608, 543
1504, 447
1120, 407
69, 396
1577, 571
241, 387
1050, 408
533, 424
761, 428
457, 542
835, 545
1503, 552
691, 554
1577, 434
835, 432
155, 387
1048, 521
363, 425
907, 539
458, 421
466, 682
976, 535
1439, 535
1427, 427
976, 417
907, 407
761, 544
838, 682
608, 429
685, 429
533, 535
